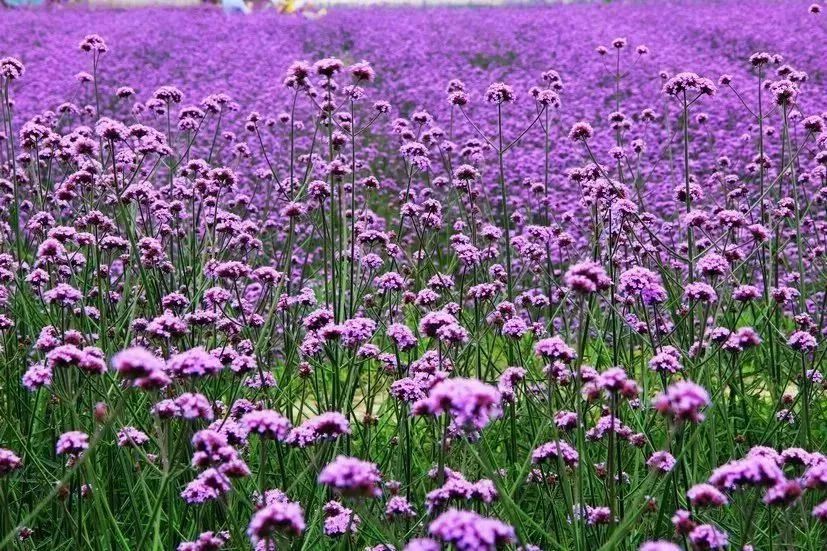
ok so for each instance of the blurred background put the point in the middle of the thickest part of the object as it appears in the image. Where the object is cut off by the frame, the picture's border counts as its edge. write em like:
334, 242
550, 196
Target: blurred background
287, 6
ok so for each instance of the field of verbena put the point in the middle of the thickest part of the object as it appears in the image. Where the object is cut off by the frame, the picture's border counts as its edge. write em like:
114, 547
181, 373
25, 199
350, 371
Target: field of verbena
537, 278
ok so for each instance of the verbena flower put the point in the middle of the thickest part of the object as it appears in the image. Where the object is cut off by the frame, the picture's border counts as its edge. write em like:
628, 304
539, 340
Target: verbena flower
352, 477
469, 531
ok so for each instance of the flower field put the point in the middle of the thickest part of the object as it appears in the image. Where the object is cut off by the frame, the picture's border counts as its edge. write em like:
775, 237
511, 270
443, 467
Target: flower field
414, 279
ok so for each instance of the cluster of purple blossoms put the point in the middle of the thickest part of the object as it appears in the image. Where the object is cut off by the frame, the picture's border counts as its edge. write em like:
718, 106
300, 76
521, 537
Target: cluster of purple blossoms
351, 476
267, 424
278, 515
9, 461
587, 277
468, 531
556, 450
325, 426
682, 401
470, 403
191, 245
72, 443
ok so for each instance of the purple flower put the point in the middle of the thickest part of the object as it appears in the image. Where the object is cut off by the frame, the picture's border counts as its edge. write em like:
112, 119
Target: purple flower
72, 443
666, 361
643, 283
750, 471
659, 545
137, 363
783, 493
802, 341
195, 362
468, 531
192, 406
37, 376
352, 477
9, 461
554, 349
131, 437
700, 292
63, 295
339, 520
279, 516
706, 536
207, 486
470, 403
325, 426
399, 507
267, 424
206, 541
551, 451
11, 68
661, 461
706, 495
683, 401
587, 277
581, 131
401, 336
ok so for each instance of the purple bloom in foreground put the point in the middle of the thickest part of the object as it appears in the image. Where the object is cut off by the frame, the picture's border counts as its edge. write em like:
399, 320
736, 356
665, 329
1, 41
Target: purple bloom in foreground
279, 516
707, 536
659, 546
661, 461
468, 531
352, 477
9, 461
206, 541
72, 442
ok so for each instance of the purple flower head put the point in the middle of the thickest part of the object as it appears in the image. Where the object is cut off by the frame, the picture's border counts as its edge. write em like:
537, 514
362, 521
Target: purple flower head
9, 461
706, 495
72, 443
661, 461
398, 507
206, 541
352, 477
131, 437
551, 451
267, 424
581, 132
683, 401
401, 336
500, 93
750, 471
94, 44
587, 277
325, 426
706, 536
194, 363
207, 486
470, 403
278, 516
554, 349
192, 406
339, 520
691, 83
659, 545
136, 363
11, 68
644, 283
468, 531
422, 544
